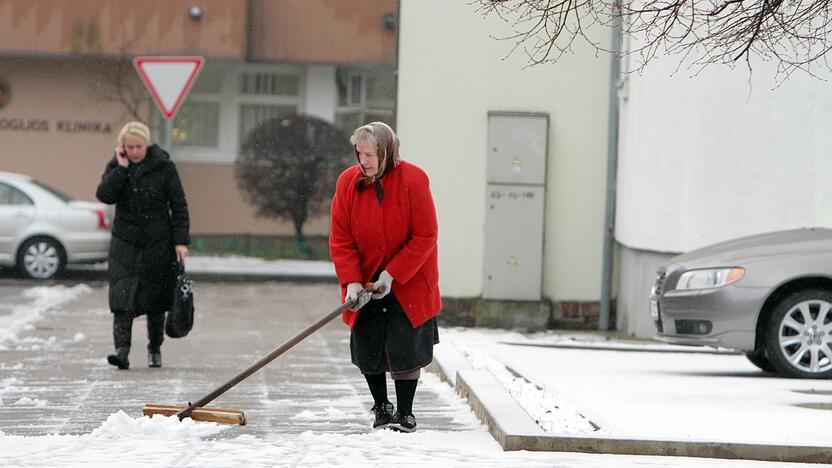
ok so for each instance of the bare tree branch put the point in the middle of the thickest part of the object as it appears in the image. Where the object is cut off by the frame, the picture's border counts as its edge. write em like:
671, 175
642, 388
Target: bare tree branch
123, 87
794, 34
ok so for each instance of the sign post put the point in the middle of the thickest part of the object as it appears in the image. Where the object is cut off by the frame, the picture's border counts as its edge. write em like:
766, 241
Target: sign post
169, 79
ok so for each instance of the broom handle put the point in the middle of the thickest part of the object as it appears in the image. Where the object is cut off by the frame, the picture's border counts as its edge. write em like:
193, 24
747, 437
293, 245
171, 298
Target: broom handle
269, 358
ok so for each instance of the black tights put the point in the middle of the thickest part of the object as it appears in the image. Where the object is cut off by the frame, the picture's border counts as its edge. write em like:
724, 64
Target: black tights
123, 330
405, 391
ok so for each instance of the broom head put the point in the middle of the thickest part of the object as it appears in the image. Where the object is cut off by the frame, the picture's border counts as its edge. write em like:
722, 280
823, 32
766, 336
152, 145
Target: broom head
218, 415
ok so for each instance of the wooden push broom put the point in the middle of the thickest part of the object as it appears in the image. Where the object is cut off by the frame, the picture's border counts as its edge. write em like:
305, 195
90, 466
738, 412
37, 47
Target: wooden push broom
198, 412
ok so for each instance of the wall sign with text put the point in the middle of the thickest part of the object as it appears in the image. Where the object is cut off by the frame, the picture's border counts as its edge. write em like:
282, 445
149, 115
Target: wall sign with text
39, 125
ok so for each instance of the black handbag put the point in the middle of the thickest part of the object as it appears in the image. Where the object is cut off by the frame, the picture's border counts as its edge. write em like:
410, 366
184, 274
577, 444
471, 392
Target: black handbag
180, 319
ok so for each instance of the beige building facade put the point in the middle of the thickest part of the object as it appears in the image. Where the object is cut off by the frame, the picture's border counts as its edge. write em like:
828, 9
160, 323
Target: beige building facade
67, 85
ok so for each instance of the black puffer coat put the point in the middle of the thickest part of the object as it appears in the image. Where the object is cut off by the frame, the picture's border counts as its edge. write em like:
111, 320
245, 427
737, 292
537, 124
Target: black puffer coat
151, 217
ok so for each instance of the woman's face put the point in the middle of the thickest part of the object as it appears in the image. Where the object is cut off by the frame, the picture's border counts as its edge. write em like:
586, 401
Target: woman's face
135, 148
367, 157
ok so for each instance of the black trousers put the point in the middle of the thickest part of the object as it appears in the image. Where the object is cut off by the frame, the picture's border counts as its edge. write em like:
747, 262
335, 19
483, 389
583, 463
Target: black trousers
123, 330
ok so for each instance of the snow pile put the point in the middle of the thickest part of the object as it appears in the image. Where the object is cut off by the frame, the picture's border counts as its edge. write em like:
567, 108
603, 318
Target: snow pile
551, 411
120, 425
7, 386
44, 298
26, 401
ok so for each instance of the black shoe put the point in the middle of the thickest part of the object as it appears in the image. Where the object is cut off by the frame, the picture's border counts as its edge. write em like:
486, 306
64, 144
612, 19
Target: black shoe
154, 359
383, 413
119, 359
403, 423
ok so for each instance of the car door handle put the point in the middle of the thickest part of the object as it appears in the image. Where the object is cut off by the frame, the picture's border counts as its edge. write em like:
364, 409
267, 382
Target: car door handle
21, 215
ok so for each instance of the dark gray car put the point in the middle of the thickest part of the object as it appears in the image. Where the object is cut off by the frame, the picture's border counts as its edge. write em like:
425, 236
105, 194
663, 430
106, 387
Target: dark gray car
768, 295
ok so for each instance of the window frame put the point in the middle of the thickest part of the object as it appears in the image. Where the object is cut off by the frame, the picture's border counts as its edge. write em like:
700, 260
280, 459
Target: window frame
230, 100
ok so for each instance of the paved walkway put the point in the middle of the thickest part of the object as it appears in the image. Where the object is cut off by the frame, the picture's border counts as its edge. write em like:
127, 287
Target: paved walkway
60, 366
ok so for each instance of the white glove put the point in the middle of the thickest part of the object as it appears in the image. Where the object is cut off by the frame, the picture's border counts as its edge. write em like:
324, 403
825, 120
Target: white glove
383, 286
354, 294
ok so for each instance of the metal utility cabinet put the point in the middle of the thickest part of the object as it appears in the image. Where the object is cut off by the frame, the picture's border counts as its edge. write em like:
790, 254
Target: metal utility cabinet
516, 188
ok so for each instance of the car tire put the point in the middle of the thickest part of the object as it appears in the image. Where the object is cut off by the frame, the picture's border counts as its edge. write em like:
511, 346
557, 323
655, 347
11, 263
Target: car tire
799, 335
760, 360
41, 258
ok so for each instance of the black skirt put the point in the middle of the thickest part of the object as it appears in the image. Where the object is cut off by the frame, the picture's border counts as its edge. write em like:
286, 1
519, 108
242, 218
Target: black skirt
383, 339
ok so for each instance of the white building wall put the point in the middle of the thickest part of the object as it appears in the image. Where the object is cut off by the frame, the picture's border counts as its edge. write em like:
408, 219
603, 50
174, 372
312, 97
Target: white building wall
452, 72
713, 157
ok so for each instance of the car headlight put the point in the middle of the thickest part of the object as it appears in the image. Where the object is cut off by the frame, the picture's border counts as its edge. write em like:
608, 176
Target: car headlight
710, 278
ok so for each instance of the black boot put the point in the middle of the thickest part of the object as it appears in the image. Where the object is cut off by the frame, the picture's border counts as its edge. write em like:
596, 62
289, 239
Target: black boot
383, 413
154, 359
403, 420
382, 409
119, 359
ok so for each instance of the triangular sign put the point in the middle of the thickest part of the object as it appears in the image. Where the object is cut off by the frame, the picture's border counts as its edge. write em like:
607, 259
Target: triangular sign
168, 79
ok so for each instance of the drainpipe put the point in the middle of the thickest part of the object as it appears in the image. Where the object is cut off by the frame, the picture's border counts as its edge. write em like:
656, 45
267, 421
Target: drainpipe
604, 322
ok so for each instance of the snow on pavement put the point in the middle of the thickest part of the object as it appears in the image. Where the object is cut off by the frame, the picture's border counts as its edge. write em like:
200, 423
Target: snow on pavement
159, 441
122, 440
688, 396
22, 317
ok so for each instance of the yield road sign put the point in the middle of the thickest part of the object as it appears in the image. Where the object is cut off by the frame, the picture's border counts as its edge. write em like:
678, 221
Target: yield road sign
168, 79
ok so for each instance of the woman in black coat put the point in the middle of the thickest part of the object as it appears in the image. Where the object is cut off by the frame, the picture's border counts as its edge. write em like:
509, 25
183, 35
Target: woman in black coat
150, 234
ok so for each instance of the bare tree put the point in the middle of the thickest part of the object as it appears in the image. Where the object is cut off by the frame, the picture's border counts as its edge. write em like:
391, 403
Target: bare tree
794, 34
121, 85
288, 167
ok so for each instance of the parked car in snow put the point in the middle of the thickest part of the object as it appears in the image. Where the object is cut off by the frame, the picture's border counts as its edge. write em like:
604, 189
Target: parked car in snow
42, 229
768, 295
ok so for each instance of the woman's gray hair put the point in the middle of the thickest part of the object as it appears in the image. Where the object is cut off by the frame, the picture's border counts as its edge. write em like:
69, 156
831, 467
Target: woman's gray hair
384, 139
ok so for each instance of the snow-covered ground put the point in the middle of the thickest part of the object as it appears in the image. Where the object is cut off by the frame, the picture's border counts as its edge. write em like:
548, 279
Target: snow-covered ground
660, 394
153, 442
122, 439
18, 318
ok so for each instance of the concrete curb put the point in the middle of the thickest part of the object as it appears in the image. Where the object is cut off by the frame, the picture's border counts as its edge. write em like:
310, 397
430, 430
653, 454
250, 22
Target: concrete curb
513, 428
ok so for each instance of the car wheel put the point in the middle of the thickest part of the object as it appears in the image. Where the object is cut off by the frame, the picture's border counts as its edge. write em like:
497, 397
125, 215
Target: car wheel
41, 258
760, 360
799, 335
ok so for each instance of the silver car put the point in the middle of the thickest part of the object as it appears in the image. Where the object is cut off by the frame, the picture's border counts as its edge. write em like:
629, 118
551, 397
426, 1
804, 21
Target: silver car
769, 296
42, 229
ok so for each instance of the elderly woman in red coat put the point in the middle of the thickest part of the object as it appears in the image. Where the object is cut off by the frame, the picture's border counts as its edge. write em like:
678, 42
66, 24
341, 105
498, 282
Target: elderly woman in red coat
384, 232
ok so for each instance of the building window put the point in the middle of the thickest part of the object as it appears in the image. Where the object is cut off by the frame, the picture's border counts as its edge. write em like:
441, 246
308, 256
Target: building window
227, 102
252, 115
197, 124
198, 121
275, 84
364, 96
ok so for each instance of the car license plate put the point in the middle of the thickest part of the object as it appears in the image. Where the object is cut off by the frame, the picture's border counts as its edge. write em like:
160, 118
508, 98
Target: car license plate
654, 309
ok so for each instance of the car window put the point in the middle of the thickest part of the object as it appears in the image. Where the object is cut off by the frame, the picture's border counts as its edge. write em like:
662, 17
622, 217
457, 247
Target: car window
12, 196
53, 191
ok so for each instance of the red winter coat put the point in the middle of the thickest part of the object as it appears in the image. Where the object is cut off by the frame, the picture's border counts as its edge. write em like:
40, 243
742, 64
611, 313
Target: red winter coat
399, 236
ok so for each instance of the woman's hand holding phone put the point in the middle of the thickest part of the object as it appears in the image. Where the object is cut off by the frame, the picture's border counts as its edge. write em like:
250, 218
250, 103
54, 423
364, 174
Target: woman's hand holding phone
121, 156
